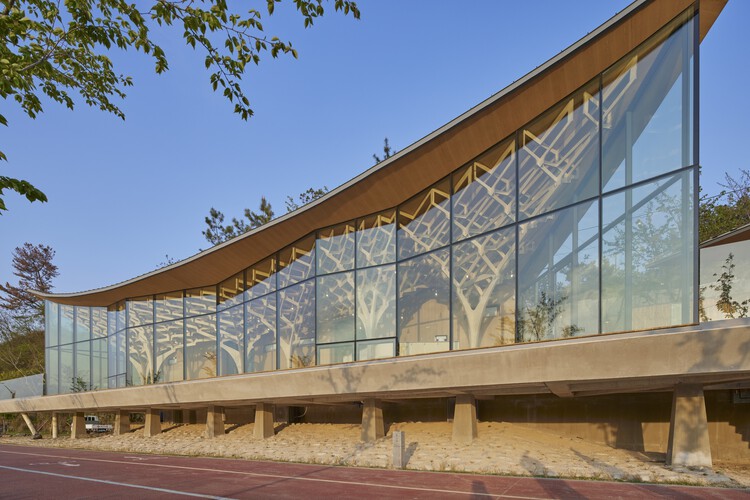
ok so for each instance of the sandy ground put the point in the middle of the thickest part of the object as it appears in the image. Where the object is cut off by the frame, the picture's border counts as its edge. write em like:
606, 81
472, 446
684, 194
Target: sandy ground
502, 448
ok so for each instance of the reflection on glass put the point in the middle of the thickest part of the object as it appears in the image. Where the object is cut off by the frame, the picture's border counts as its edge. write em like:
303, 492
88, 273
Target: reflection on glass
297, 262
169, 306
336, 353
260, 347
120, 316
82, 380
111, 356
99, 363
261, 278
83, 323
140, 311
99, 322
376, 302
424, 221
647, 251
200, 301
67, 314
52, 371
424, 311
335, 302
231, 333
297, 326
376, 239
200, 346
558, 159
558, 275
484, 192
484, 302
169, 351
376, 349
141, 355
725, 281
51, 311
67, 372
335, 249
230, 291
121, 358
648, 108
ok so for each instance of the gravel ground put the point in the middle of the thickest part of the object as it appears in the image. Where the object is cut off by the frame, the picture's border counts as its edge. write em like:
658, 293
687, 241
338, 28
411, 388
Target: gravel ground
502, 448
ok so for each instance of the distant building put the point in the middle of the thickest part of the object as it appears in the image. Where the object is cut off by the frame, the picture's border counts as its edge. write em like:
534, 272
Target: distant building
535, 259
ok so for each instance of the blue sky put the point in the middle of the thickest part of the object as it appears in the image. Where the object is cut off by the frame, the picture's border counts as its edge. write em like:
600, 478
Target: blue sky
125, 194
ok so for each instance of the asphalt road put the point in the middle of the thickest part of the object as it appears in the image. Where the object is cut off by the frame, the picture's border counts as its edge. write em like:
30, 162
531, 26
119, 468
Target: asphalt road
34, 472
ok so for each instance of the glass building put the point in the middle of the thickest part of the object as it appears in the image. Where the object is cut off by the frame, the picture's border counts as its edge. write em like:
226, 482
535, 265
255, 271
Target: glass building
577, 222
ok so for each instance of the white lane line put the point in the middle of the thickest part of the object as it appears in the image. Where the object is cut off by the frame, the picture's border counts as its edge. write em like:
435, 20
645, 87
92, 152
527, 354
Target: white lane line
114, 483
280, 476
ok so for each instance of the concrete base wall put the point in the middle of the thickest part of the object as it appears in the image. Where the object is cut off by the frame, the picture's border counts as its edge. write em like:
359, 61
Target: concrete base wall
638, 422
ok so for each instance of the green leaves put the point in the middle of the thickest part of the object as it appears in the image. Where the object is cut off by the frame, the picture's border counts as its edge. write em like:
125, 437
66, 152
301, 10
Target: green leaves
59, 50
23, 188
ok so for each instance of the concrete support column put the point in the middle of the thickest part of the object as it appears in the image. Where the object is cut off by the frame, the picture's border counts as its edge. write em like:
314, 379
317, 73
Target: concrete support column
78, 430
153, 423
372, 420
214, 422
688, 430
122, 422
465, 419
54, 425
263, 421
30, 425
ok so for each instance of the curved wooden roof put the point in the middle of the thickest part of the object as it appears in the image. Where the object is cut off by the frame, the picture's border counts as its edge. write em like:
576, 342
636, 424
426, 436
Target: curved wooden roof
423, 163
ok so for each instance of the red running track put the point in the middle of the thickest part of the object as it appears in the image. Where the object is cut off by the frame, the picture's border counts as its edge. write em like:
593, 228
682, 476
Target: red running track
35, 472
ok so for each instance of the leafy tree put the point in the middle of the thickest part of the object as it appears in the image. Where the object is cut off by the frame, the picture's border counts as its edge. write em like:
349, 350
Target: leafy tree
726, 304
304, 198
218, 232
33, 266
387, 152
57, 50
536, 322
728, 210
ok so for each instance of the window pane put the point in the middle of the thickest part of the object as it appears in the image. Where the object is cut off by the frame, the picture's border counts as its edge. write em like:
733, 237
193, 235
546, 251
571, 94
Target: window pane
335, 302
67, 373
99, 321
424, 316
558, 271
200, 346
169, 351
169, 306
484, 192
200, 301
335, 249
376, 349
297, 262
558, 160
140, 355
484, 290
52, 373
111, 356
231, 333
99, 363
647, 273
376, 302
297, 326
230, 291
336, 353
121, 358
424, 221
725, 281
261, 278
120, 316
51, 311
140, 311
82, 381
648, 108
376, 239
66, 324
83, 323
261, 334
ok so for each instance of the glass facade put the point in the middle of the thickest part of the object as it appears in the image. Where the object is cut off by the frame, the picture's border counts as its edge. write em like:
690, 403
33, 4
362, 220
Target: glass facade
579, 223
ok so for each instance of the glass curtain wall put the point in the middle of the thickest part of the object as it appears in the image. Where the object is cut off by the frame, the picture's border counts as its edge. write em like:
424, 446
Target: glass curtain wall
580, 223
